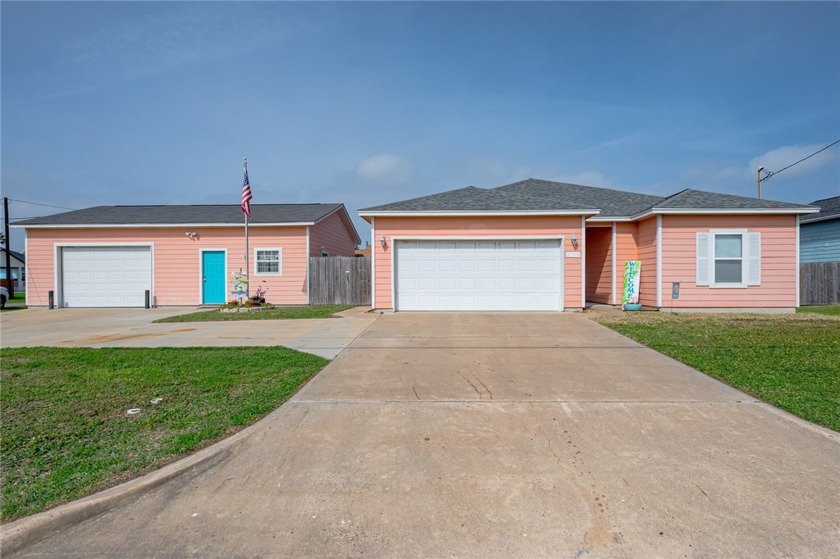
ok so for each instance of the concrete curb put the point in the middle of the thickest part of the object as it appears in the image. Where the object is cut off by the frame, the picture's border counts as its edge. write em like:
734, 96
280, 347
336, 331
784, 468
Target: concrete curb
31, 529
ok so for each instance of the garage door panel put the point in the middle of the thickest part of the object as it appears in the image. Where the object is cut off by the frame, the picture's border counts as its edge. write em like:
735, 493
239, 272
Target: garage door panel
105, 276
478, 275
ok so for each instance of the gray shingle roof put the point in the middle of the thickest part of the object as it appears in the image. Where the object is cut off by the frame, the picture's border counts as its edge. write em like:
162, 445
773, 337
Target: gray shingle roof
611, 202
702, 200
473, 199
187, 215
829, 209
13, 254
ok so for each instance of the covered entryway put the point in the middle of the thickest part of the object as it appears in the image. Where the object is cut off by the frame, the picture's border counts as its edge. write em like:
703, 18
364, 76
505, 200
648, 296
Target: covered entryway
105, 276
479, 275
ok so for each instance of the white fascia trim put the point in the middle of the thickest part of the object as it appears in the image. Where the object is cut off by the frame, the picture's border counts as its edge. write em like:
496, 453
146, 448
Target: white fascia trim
481, 214
373, 264
723, 211
161, 225
659, 261
608, 218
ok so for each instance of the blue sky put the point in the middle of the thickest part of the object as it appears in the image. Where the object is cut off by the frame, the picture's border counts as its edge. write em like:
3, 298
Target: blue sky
369, 103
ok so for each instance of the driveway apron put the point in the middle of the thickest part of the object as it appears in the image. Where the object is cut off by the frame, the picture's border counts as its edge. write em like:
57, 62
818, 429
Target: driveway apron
494, 435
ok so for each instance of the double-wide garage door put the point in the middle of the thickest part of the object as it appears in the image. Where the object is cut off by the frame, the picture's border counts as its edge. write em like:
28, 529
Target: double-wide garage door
113, 276
479, 275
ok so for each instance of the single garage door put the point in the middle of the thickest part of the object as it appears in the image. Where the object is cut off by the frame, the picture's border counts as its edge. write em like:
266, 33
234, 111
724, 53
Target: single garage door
501, 275
105, 276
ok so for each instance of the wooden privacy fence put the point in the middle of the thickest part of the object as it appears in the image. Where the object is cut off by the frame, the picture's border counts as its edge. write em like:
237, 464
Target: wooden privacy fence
339, 280
819, 283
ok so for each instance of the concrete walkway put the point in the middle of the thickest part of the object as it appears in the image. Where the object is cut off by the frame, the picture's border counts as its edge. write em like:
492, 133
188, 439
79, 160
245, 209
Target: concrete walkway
136, 328
492, 435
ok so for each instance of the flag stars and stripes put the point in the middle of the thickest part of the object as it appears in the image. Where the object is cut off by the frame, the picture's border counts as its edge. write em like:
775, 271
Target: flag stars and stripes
246, 194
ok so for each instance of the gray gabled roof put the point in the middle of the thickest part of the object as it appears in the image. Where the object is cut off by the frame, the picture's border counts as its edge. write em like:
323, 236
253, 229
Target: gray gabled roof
610, 202
261, 214
829, 209
689, 199
473, 199
13, 254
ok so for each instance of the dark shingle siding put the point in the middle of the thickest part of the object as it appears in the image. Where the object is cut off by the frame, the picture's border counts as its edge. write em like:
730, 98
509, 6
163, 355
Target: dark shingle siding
186, 215
702, 200
829, 208
472, 198
610, 202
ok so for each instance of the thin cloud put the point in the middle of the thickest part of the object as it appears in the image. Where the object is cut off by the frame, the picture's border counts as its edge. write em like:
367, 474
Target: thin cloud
779, 158
385, 168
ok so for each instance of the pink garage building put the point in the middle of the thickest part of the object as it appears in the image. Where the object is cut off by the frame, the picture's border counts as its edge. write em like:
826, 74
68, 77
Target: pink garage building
109, 256
542, 245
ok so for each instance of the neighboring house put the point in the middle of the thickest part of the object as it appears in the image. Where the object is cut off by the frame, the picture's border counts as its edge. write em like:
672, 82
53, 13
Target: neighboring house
363, 252
18, 265
109, 256
819, 233
542, 245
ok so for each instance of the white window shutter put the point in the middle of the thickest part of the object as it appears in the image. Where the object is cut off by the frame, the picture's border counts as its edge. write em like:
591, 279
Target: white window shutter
703, 260
753, 258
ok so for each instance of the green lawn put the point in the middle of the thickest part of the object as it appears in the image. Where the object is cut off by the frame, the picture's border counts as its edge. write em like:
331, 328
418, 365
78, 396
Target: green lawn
832, 310
790, 361
65, 431
277, 313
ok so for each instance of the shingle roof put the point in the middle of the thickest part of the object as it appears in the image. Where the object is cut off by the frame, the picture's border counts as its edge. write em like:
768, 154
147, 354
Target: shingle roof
473, 199
187, 215
14, 254
829, 209
702, 200
610, 202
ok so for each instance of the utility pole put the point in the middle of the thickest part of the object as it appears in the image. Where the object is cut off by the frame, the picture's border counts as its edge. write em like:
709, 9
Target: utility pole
758, 181
10, 283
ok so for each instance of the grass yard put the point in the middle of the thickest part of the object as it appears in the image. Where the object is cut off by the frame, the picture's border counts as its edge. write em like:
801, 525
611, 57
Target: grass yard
65, 431
16, 303
831, 310
790, 361
277, 313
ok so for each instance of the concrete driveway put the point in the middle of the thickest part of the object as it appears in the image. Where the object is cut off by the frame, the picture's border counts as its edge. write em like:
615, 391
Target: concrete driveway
136, 328
492, 435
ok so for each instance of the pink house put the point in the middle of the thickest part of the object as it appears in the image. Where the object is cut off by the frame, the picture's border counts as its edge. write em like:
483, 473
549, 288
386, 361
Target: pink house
109, 256
542, 245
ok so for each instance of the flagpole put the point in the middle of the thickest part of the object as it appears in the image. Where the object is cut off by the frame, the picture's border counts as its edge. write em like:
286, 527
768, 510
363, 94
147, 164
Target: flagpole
247, 265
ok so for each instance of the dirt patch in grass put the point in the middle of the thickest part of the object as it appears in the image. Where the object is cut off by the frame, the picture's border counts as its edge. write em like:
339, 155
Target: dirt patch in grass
276, 313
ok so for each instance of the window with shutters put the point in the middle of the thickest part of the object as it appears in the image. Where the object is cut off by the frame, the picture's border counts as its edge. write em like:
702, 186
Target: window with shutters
268, 261
728, 258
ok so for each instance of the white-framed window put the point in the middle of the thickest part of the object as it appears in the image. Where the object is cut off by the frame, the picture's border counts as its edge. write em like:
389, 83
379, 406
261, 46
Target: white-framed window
268, 261
728, 258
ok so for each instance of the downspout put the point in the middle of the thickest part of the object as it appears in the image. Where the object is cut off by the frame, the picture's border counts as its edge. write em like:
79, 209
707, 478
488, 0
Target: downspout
583, 262
659, 261
373, 263
614, 261
308, 301
796, 217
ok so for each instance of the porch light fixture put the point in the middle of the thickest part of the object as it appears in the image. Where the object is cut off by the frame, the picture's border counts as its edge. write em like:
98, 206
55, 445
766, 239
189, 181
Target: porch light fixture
382, 241
574, 241
192, 235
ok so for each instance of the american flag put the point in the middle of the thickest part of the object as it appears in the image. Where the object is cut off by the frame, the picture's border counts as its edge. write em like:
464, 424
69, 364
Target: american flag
246, 193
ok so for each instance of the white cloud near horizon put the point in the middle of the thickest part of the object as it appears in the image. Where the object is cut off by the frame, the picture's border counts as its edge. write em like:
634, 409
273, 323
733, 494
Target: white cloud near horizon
385, 168
779, 158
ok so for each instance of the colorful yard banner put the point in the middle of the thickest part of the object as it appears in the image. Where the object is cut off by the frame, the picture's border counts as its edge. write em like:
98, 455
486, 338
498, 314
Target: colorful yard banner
630, 293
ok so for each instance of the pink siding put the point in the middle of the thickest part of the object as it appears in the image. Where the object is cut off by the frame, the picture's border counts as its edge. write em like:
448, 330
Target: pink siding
333, 236
599, 264
647, 255
463, 227
177, 259
778, 262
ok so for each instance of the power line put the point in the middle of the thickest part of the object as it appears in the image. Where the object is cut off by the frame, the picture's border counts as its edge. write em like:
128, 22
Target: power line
768, 174
40, 204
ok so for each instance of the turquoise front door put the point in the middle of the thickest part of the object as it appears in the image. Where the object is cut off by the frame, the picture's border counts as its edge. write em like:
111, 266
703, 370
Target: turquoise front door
213, 277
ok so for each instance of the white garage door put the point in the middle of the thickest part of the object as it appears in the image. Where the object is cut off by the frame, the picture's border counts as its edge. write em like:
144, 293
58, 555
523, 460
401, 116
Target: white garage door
105, 276
479, 275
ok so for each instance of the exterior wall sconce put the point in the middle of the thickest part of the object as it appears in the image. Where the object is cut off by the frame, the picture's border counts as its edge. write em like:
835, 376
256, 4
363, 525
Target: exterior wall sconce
382, 241
574, 241
192, 235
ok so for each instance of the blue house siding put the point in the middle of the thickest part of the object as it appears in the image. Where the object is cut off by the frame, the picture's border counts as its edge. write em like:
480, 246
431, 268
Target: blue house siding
820, 241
